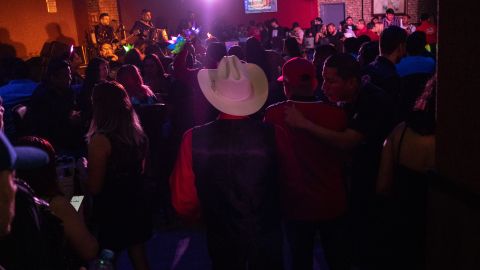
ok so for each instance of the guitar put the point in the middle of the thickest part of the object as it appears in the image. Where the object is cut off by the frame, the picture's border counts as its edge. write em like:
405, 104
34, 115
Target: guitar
125, 40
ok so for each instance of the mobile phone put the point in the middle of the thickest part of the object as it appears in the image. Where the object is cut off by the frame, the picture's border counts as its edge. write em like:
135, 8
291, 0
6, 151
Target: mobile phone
76, 201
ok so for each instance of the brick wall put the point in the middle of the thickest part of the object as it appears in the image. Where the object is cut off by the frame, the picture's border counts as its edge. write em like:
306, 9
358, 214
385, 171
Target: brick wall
413, 10
110, 7
354, 8
95, 7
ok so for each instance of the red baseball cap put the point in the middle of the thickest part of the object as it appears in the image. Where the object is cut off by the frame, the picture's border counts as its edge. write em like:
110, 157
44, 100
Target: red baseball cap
297, 70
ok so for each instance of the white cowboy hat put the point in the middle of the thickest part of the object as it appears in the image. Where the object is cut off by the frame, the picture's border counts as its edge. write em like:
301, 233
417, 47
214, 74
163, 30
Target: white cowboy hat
234, 88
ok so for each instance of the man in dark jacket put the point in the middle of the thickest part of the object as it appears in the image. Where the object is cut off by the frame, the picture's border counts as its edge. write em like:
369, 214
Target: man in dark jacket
382, 72
12, 158
276, 34
52, 114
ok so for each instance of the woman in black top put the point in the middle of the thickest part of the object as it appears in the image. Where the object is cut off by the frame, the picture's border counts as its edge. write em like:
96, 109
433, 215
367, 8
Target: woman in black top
409, 152
117, 148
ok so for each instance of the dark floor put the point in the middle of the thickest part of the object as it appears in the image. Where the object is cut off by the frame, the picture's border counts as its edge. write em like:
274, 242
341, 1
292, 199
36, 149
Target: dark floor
178, 249
182, 249
173, 247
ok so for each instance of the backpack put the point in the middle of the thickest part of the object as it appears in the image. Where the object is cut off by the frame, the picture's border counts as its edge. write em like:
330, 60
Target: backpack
37, 238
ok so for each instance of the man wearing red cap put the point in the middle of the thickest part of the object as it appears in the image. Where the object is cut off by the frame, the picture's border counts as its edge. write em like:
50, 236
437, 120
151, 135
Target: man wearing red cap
315, 199
371, 117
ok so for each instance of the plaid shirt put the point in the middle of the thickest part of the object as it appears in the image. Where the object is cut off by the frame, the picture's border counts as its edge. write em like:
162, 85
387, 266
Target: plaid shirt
396, 21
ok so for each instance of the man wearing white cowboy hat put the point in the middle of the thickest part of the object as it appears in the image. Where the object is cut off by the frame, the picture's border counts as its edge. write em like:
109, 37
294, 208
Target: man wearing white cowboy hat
226, 171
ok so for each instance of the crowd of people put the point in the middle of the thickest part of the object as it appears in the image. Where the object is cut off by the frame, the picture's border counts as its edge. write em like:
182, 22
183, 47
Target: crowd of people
292, 136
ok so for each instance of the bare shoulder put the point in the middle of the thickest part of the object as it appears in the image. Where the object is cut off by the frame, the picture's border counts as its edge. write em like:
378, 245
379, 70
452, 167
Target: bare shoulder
397, 132
100, 142
100, 139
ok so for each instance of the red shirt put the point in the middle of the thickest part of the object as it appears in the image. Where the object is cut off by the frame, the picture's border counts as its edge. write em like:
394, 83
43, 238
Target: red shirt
373, 36
430, 30
317, 190
182, 181
367, 32
361, 32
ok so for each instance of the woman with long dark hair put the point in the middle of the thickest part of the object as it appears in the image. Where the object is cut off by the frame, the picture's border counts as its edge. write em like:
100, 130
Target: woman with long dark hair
408, 154
97, 71
129, 76
117, 149
154, 75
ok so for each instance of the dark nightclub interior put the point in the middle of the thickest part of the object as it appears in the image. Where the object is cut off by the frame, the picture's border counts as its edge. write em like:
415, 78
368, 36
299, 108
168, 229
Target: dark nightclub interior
239, 134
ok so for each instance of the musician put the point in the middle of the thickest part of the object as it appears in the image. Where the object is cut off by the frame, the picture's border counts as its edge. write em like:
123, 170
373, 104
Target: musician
192, 20
144, 25
189, 26
103, 33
